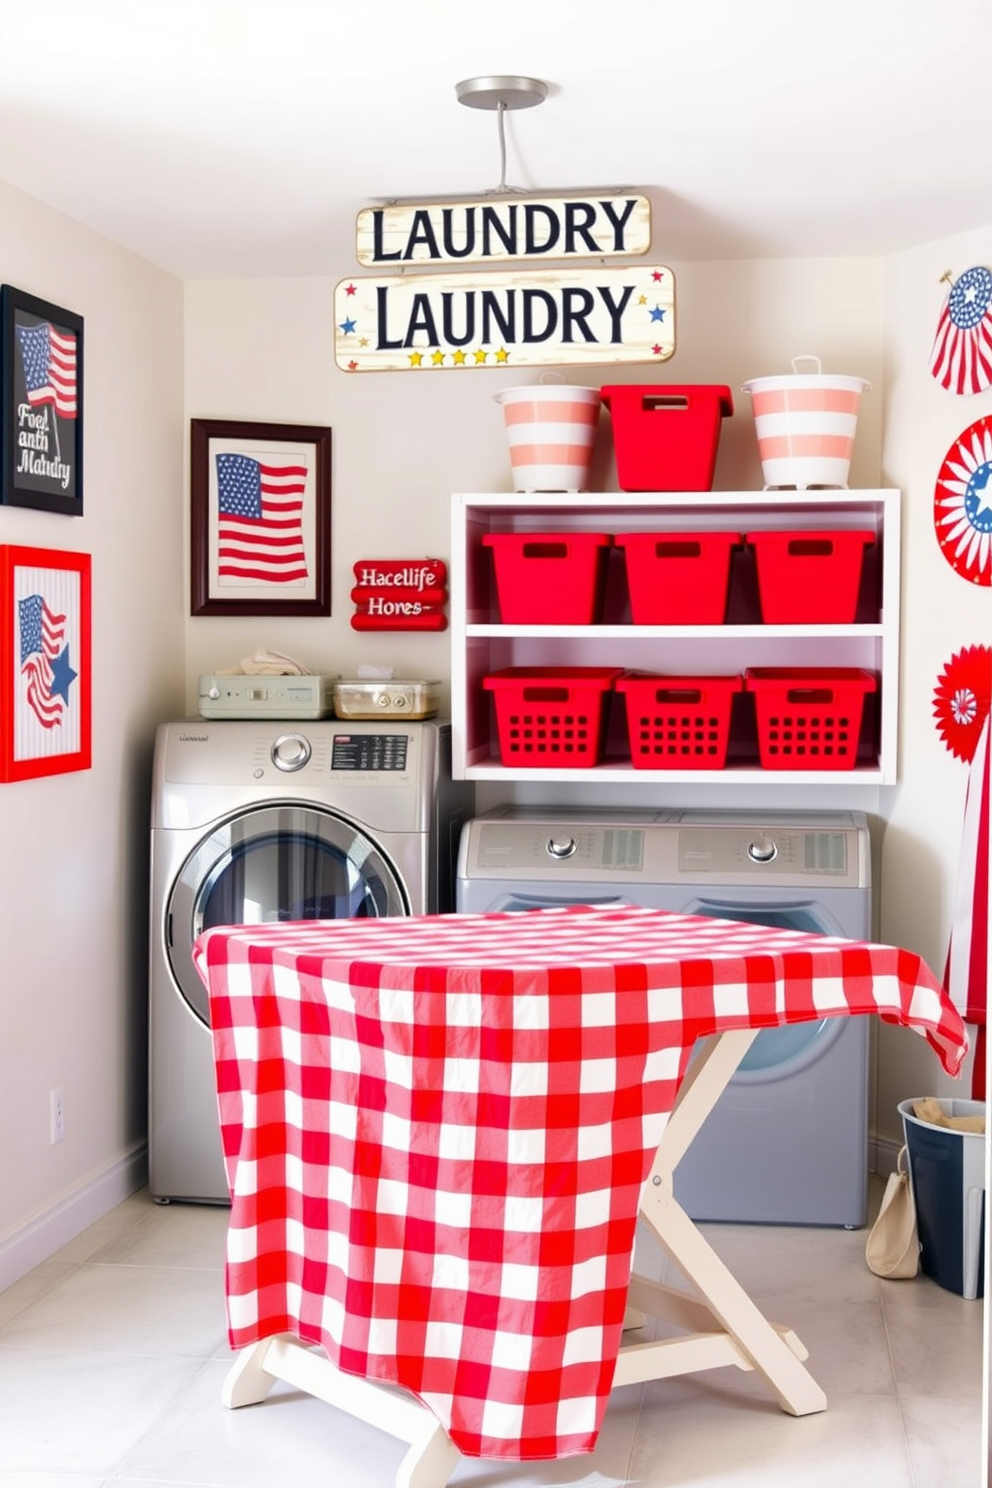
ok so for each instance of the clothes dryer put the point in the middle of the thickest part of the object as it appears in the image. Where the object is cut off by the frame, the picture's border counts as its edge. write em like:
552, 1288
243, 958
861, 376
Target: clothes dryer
255, 821
787, 1143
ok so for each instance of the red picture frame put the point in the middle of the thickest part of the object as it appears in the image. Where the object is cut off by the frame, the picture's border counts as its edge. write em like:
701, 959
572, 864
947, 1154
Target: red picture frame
45, 662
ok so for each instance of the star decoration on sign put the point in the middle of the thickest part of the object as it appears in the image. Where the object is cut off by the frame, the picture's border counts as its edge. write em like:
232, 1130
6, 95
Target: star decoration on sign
657, 313
347, 326
480, 356
502, 355
415, 359
437, 357
352, 366
657, 276
458, 357
350, 289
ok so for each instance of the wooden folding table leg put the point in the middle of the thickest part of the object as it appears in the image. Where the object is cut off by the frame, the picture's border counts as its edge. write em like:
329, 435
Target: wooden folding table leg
765, 1346
794, 1388
431, 1458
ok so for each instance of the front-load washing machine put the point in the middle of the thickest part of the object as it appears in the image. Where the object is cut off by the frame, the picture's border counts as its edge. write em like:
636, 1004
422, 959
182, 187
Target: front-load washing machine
259, 821
787, 1142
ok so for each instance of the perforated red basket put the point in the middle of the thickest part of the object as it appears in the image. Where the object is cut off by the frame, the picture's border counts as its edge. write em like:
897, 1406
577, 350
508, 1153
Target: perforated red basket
551, 716
678, 723
808, 720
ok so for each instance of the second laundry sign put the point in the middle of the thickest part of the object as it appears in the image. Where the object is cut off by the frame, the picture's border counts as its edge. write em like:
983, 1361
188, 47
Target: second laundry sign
577, 316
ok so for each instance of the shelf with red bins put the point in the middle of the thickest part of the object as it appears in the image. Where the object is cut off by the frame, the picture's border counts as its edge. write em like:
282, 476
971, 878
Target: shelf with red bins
685, 585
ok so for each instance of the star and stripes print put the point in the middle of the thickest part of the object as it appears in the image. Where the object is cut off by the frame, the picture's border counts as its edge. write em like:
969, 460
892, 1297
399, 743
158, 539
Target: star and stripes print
49, 360
42, 649
961, 359
260, 520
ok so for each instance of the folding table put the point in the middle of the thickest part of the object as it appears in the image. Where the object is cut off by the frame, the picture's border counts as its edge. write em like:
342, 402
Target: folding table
439, 1132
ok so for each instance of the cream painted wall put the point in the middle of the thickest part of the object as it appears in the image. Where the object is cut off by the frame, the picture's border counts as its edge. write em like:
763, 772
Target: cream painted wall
73, 873
940, 615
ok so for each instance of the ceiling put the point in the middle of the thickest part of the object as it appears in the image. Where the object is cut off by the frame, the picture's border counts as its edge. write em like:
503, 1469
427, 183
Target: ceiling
239, 138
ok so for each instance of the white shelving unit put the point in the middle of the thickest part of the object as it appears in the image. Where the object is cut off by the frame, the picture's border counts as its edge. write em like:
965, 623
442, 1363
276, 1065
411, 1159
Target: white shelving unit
481, 644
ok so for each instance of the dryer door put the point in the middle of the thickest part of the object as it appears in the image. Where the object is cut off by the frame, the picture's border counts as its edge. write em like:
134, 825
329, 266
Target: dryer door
275, 863
779, 1053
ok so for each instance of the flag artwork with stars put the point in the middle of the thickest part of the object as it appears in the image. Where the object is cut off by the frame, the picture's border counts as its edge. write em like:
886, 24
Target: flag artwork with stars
48, 357
260, 521
961, 360
46, 711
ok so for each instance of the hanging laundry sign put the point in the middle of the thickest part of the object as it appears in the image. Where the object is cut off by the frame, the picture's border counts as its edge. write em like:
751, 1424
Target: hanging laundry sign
490, 231
601, 316
400, 594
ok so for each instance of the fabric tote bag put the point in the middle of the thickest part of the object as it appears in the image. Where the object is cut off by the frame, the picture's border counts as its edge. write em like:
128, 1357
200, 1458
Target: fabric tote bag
893, 1247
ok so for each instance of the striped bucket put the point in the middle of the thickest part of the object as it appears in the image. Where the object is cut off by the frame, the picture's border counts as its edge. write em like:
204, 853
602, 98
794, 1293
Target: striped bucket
551, 431
805, 426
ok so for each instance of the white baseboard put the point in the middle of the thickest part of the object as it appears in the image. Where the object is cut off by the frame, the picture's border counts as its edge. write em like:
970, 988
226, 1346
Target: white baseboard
49, 1229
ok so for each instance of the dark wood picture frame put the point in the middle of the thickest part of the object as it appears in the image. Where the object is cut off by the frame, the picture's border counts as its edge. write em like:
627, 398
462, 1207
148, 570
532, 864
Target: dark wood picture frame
46, 684
41, 421
260, 514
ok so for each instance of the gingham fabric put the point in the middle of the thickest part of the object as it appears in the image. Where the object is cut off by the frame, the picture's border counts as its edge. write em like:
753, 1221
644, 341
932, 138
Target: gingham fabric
437, 1129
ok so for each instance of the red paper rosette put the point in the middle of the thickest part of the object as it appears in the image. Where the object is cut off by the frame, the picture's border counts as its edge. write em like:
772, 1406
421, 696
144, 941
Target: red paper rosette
961, 700
962, 507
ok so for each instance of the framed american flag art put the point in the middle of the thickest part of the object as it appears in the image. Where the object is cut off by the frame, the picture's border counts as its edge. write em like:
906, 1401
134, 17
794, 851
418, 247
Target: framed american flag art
45, 681
260, 512
41, 427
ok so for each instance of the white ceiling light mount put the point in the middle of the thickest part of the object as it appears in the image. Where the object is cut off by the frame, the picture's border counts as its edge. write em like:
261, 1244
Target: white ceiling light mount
499, 94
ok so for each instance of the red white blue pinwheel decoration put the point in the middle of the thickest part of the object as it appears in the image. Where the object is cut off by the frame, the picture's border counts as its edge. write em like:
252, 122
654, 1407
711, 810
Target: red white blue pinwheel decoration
961, 359
962, 508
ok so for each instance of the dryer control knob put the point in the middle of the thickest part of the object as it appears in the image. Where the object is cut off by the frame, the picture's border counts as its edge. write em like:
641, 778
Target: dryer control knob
765, 851
290, 752
563, 849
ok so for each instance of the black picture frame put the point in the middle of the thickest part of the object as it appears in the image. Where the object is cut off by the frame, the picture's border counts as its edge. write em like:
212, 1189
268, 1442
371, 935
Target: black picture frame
221, 567
41, 422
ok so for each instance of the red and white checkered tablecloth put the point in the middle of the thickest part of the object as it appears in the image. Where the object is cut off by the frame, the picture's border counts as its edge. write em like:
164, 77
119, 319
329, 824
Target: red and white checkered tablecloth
437, 1130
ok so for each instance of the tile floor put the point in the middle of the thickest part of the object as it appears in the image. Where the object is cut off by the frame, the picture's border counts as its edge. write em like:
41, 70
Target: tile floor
112, 1355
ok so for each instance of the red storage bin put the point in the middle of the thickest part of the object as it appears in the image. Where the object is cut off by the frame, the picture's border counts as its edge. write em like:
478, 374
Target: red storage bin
808, 719
549, 578
551, 716
809, 578
666, 438
678, 723
678, 578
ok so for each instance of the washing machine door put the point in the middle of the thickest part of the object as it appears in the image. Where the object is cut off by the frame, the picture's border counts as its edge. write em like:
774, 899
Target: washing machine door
779, 1053
275, 863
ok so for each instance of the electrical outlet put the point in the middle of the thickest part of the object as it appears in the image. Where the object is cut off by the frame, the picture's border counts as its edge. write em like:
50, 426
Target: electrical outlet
58, 1114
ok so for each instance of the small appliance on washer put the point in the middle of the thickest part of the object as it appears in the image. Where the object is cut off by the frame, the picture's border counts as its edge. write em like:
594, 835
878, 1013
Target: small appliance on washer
787, 1142
255, 821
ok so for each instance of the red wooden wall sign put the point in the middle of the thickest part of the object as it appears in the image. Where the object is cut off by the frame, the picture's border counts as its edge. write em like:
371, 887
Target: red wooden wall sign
400, 594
